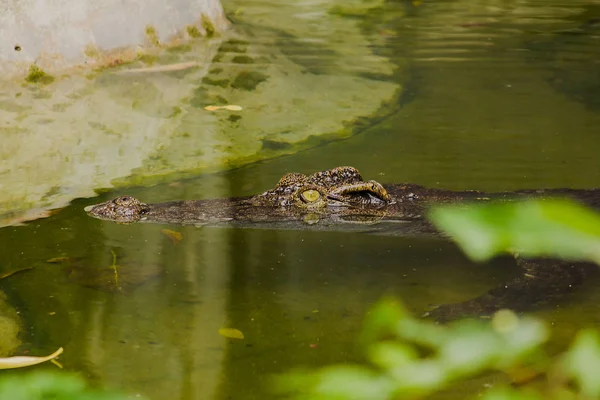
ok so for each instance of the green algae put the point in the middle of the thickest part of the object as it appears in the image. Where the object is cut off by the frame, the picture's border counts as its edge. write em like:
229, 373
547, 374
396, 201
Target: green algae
275, 145
149, 59
232, 46
60, 107
360, 10
203, 97
152, 36
248, 80
208, 26
243, 60
7, 105
193, 31
42, 94
238, 42
6, 130
37, 75
91, 51
180, 49
270, 148
215, 82
176, 111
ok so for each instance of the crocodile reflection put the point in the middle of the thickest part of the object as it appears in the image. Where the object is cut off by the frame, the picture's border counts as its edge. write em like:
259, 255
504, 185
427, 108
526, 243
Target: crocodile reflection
339, 199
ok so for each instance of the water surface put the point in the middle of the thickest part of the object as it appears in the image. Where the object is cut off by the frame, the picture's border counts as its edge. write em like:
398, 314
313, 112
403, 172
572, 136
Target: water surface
499, 98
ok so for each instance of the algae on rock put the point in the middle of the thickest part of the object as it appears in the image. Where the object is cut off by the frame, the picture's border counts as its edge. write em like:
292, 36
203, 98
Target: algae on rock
306, 81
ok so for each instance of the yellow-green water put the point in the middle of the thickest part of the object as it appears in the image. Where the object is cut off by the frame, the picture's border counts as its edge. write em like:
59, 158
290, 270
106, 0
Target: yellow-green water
497, 98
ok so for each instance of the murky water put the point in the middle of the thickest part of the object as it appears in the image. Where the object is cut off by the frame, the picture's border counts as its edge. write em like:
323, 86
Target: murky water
499, 98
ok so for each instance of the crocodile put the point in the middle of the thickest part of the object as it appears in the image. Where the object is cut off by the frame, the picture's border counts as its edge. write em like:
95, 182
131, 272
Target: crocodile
340, 199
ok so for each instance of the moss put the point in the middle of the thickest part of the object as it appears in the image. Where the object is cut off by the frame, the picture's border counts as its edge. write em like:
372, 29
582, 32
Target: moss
234, 118
242, 60
208, 26
152, 35
216, 82
148, 59
248, 80
202, 98
220, 100
215, 71
193, 31
60, 107
7, 130
170, 58
274, 145
351, 11
232, 47
37, 75
176, 111
238, 42
199, 97
101, 127
182, 48
42, 94
263, 60
91, 51
8, 105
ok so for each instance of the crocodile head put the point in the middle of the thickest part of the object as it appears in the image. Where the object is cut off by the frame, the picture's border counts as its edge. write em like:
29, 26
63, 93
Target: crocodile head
337, 187
122, 209
338, 192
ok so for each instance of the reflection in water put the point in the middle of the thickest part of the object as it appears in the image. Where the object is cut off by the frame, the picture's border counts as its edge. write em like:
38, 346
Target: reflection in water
298, 297
496, 107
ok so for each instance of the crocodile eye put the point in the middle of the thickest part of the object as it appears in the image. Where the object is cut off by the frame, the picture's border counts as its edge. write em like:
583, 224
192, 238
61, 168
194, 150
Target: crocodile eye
310, 195
125, 201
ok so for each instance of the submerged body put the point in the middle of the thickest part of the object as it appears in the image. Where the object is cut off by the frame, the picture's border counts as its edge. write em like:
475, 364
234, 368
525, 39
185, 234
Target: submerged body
339, 199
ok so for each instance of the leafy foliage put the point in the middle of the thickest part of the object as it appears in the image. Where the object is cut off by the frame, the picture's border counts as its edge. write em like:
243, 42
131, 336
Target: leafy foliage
533, 228
55, 386
410, 358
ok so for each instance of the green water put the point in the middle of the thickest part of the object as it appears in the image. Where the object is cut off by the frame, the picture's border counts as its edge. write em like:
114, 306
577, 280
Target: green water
496, 100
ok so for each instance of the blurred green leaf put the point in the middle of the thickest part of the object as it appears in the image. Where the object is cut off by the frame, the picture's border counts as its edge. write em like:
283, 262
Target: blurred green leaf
421, 377
505, 321
381, 321
421, 359
505, 393
422, 332
298, 383
523, 340
470, 348
415, 358
55, 386
389, 355
352, 383
534, 228
582, 362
